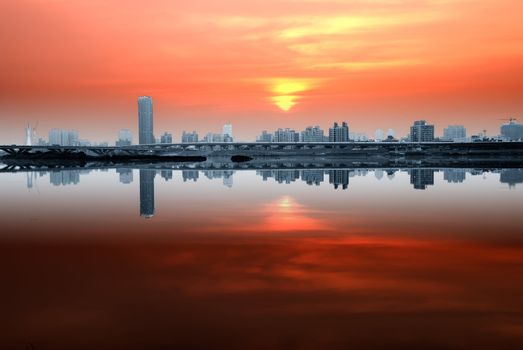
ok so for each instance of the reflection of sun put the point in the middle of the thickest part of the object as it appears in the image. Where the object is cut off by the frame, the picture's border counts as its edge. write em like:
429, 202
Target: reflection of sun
285, 214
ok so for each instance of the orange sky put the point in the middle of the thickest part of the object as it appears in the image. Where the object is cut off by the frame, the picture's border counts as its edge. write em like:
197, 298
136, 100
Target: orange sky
375, 63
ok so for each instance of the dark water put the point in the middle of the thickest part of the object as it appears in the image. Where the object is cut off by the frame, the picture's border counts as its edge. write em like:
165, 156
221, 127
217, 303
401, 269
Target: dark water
309, 259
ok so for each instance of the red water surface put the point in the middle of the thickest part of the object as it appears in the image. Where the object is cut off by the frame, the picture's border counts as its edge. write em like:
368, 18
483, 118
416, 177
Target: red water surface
312, 290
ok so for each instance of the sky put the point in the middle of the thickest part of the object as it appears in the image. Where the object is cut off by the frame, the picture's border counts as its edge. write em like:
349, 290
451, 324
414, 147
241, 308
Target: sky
258, 64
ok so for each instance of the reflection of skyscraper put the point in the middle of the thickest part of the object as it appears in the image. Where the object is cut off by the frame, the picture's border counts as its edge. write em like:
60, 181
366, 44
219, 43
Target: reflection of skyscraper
312, 177
147, 193
126, 175
166, 174
511, 177
454, 175
339, 177
421, 178
190, 175
145, 120
64, 177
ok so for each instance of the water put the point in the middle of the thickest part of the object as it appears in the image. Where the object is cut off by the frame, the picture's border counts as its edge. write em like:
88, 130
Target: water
288, 258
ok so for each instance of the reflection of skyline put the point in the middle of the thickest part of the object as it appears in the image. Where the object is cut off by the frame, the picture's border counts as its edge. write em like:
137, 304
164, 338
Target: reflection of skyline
420, 178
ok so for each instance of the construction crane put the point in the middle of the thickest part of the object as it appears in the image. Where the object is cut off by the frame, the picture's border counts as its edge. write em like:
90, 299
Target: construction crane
510, 120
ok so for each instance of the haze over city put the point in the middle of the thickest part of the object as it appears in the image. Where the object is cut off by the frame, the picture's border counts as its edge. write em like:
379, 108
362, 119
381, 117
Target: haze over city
259, 65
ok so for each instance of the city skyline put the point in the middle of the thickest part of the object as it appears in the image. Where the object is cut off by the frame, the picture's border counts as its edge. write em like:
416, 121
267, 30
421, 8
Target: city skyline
378, 64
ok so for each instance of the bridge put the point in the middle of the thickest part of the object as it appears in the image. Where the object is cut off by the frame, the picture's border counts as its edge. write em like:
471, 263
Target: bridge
267, 149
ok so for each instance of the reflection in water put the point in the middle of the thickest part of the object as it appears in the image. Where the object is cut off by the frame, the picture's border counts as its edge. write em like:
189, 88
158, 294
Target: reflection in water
126, 175
263, 265
454, 175
420, 178
147, 193
511, 177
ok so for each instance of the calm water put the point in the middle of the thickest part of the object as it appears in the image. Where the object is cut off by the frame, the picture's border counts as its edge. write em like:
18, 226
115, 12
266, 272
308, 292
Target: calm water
260, 259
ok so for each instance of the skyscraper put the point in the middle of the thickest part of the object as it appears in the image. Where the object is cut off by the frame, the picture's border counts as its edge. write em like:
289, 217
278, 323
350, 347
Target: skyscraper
456, 133
189, 137
125, 138
339, 133
512, 131
145, 120
312, 134
166, 138
227, 130
421, 132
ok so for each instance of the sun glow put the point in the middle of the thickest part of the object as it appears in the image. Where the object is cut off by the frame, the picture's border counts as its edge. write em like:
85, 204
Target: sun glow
285, 102
285, 91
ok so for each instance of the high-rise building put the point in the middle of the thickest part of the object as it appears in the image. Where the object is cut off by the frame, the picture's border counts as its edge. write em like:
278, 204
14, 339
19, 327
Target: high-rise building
227, 131
456, 133
145, 120
265, 136
512, 131
286, 135
125, 138
339, 133
55, 137
378, 135
189, 137
166, 138
421, 132
312, 134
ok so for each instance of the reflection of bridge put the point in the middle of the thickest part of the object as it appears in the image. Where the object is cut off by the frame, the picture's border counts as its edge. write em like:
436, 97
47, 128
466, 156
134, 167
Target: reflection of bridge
271, 148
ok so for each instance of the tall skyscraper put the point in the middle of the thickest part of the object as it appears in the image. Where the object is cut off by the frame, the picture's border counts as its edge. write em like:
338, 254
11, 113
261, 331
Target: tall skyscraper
339, 133
145, 120
421, 132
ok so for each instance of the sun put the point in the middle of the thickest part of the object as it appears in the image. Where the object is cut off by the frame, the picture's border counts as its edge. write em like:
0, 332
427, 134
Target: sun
286, 91
285, 102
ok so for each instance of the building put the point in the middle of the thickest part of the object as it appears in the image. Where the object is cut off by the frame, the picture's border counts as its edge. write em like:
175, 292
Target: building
189, 137
378, 135
312, 134
512, 131
265, 136
55, 137
420, 131
286, 135
125, 138
145, 120
227, 131
126, 175
456, 133
339, 133
357, 136
166, 138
